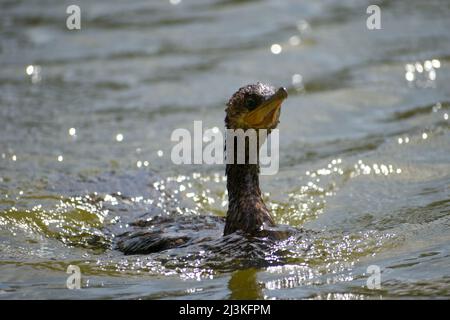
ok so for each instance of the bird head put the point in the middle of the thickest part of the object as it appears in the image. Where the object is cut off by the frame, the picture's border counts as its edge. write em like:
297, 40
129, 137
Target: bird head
255, 106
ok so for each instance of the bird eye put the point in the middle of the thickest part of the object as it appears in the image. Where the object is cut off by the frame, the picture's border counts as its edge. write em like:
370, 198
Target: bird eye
251, 103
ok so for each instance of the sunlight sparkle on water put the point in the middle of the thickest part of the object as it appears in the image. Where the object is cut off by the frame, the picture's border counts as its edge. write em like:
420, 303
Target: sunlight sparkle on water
419, 67
294, 40
437, 107
403, 140
409, 76
276, 48
29, 70
436, 63
119, 137
428, 65
297, 82
72, 132
297, 79
34, 71
424, 74
432, 75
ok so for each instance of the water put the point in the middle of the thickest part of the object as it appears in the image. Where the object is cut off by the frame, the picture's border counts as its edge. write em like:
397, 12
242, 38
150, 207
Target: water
85, 124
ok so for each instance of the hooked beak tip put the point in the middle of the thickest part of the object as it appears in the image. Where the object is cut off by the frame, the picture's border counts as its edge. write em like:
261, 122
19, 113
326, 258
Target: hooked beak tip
282, 92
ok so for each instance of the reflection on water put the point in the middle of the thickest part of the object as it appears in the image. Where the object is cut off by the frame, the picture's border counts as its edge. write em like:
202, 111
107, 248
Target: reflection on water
85, 124
243, 285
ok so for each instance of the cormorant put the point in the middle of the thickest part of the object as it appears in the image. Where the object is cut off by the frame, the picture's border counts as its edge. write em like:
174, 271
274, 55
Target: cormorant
256, 106
251, 107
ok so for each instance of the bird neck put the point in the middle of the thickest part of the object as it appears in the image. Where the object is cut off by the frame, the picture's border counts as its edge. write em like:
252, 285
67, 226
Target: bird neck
242, 181
242, 178
246, 209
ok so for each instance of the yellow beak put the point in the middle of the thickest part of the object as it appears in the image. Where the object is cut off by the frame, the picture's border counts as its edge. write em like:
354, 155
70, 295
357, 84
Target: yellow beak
265, 114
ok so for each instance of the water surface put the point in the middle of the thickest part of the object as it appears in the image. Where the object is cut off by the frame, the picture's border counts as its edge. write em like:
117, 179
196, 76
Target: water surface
85, 124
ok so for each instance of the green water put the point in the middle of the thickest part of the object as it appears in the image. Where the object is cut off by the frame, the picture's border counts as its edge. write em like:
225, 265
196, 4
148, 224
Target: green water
85, 146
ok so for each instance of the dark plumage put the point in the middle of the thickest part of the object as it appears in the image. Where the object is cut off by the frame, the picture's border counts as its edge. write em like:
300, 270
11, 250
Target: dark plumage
255, 106
246, 210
